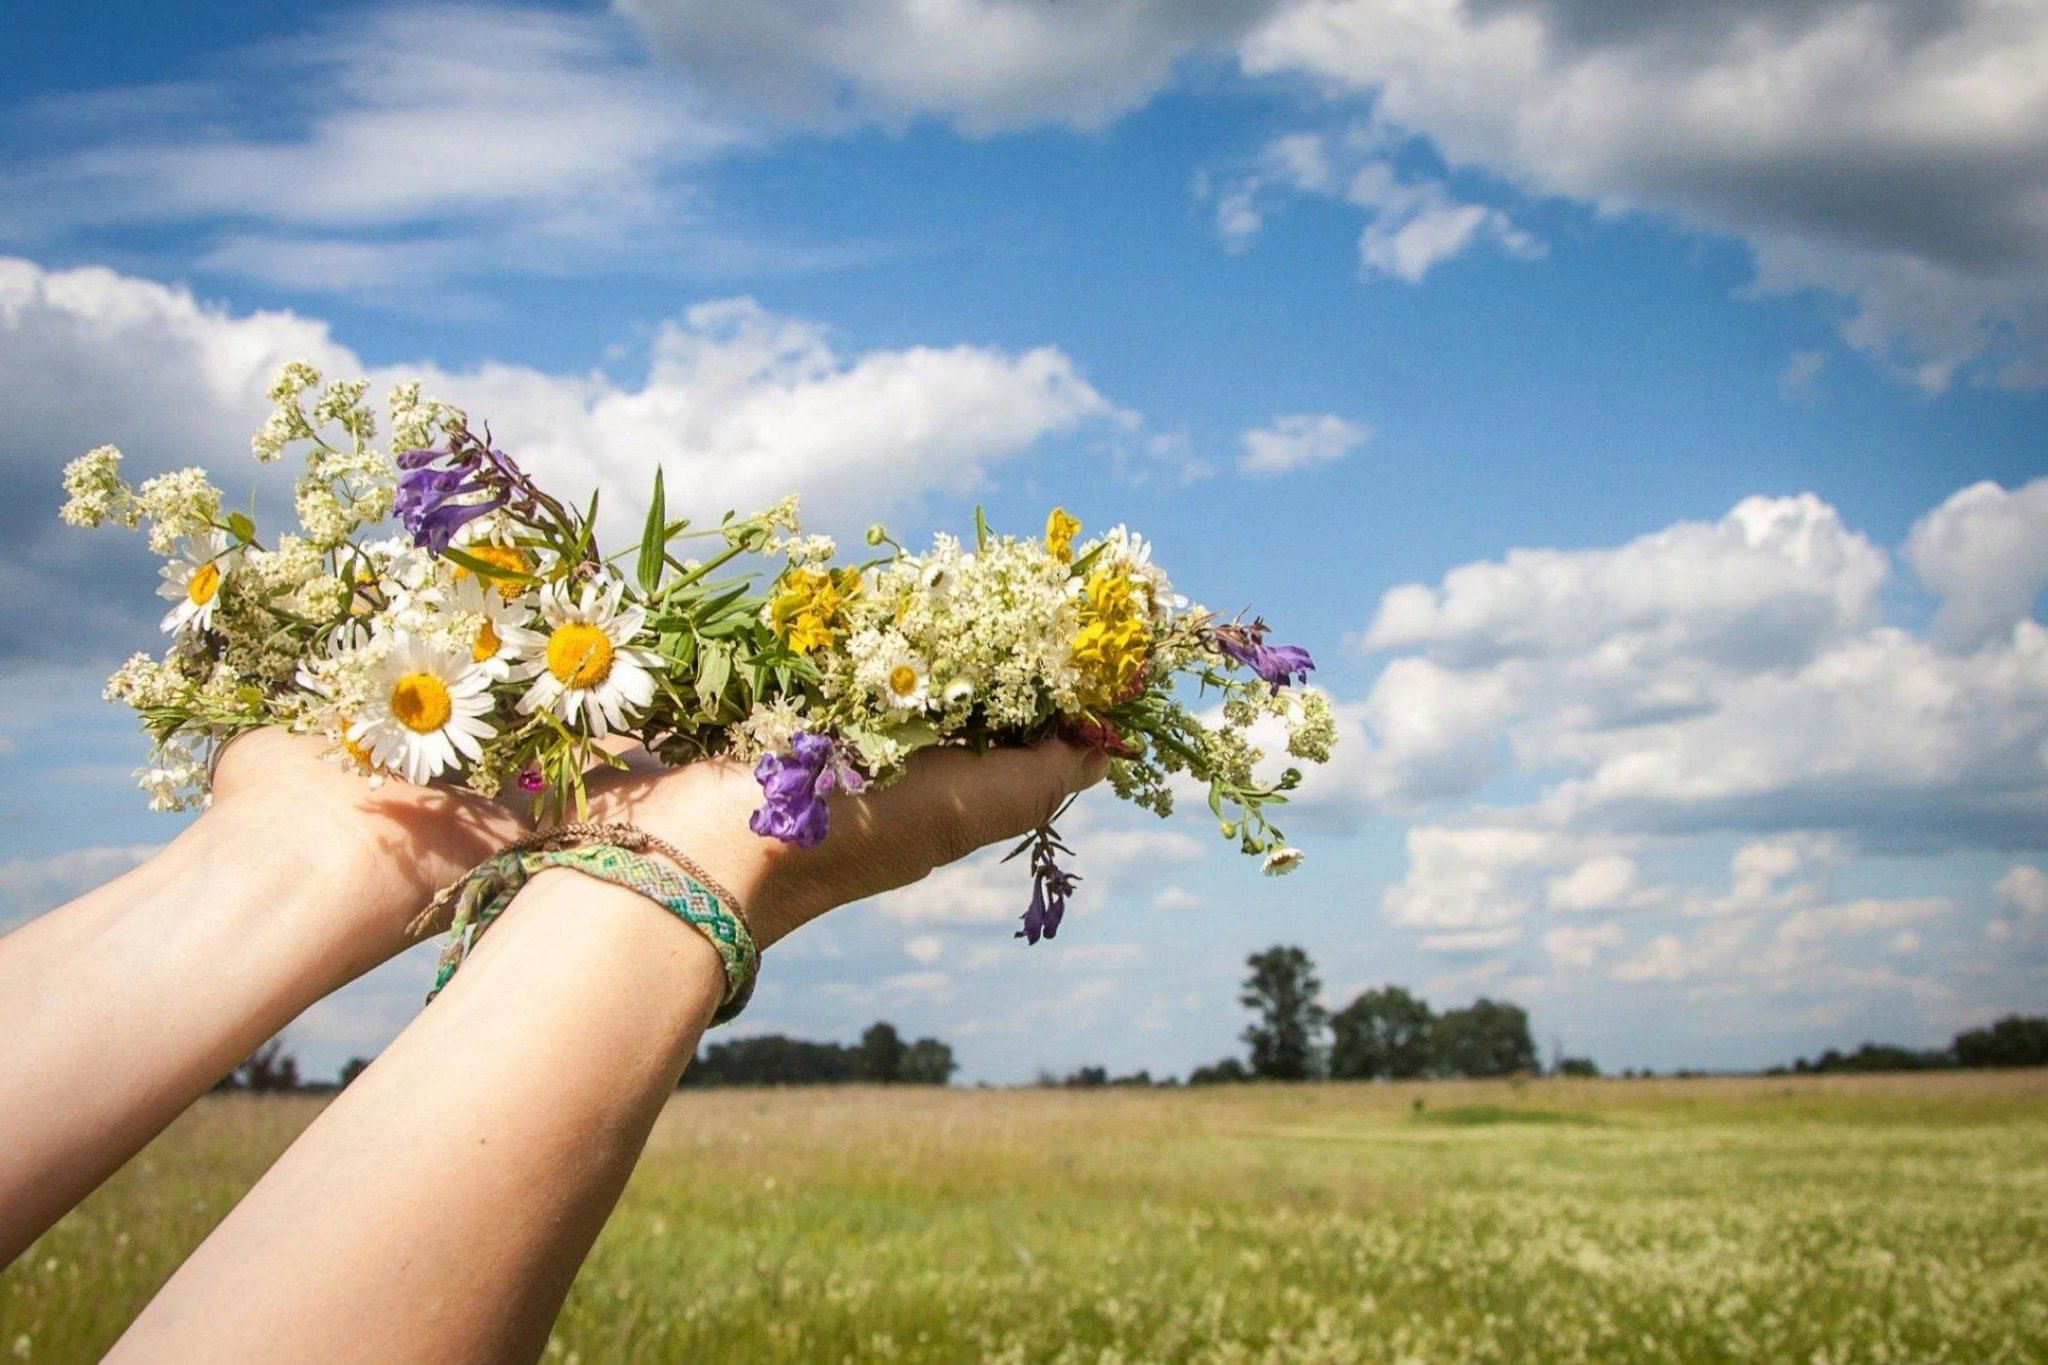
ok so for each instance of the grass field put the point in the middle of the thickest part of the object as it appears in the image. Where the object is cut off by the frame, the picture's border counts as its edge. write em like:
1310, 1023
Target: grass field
1880, 1218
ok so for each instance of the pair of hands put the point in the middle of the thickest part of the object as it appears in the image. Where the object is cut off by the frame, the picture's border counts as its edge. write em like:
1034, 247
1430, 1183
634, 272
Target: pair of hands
399, 844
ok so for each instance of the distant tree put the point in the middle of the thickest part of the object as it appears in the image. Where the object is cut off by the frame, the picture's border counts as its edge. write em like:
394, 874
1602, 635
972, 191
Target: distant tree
2012, 1041
1087, 1078
352, 1068
881, 1054
773, 1059
928, 1062
1584, 1068
1281, 992
1383, 1034
266, 1071
1229, 1071
1486, 1038
1877, 1057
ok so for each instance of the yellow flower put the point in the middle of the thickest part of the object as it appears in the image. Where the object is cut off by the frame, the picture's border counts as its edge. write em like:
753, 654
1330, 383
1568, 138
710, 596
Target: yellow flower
1113, 642
808, 609
1059, 535
506, 558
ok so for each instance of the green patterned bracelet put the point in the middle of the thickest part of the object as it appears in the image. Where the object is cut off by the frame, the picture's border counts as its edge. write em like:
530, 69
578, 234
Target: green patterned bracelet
610, 853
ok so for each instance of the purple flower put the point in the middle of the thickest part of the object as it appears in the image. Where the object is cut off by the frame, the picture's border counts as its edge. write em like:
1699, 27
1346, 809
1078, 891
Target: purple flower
1277, 665
1050, 887
442, 490
794, 787
530, 779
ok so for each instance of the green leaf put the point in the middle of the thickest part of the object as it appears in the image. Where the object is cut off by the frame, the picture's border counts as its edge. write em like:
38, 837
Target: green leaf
980, 530
713, 673
243, 529
654, 540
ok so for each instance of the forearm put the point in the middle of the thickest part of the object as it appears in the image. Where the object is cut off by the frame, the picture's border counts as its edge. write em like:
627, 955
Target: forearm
439, 1208
122, 1007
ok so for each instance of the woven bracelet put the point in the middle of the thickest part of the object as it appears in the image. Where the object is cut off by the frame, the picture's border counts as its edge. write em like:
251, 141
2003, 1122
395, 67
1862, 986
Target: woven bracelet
610, 853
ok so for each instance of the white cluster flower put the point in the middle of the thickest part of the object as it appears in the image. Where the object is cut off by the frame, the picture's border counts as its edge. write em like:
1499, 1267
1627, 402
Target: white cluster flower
1311, 726
175, 777
768, 728
146, 683
417, 421
179, 505
94, 491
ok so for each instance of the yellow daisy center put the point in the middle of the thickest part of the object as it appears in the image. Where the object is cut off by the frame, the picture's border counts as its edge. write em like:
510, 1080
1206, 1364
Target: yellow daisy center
203, 585
487, 642
510, 558
420, 702
579, 655
355, 750
903, 680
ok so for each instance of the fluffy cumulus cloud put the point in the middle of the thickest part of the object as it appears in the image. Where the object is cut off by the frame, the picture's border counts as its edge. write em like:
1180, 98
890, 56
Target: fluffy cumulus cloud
1890, 151
1301, 440
982, 64
1574, 734
1985, 551
740, 405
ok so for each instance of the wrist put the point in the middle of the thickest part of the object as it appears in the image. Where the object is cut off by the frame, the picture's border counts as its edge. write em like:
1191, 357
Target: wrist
333, 886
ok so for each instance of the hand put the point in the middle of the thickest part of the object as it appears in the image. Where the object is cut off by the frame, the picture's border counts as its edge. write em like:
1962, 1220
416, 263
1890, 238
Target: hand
392, 847
948, 804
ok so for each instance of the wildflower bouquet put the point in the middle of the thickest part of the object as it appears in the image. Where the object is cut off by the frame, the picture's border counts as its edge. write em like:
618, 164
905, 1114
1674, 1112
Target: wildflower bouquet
492, 640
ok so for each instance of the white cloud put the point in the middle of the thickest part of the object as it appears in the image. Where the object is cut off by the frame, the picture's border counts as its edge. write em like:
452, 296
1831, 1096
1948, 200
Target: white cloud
1859, 918
1726, 675
1887, 151
2025, 889
396, 149
924, 948
1413, 222
1470, 878
984, 65
1766, 585
1618, 713
1985, 551
1599, 884
1301, 440
740, 405
1580, 946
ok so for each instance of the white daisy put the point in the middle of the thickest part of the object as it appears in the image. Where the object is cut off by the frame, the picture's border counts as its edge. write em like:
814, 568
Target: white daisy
907, 683
583, 662
959, 691
494, 648
1281, 861
426, 705
193, 580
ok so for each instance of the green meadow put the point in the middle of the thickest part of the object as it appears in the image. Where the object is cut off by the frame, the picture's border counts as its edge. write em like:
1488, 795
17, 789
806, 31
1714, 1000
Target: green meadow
1886, 1218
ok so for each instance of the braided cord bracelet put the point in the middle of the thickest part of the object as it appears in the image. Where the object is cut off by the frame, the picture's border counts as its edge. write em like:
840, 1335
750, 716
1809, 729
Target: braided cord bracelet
612, 853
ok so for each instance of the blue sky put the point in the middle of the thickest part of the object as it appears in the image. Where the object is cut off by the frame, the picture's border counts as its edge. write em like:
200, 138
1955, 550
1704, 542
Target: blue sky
1618, 440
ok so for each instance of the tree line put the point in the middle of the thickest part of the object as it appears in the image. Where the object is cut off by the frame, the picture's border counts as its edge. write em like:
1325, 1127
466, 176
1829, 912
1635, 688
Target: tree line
2016, 1040
881, 1057
1384, 1034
